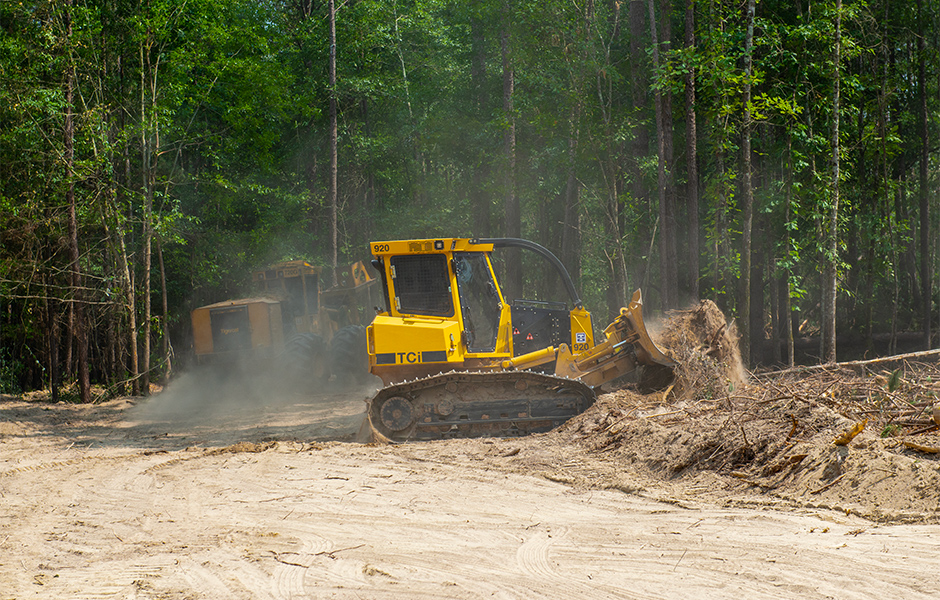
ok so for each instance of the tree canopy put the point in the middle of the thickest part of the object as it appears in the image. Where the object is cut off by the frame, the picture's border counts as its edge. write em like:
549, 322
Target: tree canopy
779, 158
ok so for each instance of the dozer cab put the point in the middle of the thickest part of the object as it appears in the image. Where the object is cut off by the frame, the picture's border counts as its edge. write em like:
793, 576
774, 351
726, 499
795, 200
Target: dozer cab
458, 359
296, 321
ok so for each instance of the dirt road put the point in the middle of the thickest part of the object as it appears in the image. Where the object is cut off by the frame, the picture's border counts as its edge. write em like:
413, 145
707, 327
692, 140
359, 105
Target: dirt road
120, 501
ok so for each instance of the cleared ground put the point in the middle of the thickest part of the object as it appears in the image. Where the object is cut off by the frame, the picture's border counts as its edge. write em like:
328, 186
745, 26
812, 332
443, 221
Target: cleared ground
163, 499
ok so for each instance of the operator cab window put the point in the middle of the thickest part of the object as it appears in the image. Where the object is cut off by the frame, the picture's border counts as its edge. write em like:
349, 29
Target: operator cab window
479, 301
422, 285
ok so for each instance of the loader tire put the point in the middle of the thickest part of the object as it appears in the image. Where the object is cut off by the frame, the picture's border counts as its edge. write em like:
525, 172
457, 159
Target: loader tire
306, 360
349, 359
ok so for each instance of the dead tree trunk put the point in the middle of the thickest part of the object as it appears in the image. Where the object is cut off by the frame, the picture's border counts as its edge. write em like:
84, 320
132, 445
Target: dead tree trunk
748, 189
923, 192
513, 223
75, 272
334, 223
691, 151
667, 219
832, 221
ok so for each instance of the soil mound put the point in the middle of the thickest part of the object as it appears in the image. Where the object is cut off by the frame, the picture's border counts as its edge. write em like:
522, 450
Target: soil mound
774, 437
706, 346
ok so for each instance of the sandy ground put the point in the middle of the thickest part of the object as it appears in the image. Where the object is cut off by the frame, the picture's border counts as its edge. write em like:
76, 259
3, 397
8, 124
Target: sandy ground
164, 499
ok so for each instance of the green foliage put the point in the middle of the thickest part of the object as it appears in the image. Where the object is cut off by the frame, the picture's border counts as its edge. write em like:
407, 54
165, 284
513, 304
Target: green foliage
11, 370
232, 97
894, 381
891, 430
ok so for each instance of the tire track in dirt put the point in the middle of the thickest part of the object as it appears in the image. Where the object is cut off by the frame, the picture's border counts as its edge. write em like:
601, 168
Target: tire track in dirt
59, 464
442, 520
292, 566
532, 556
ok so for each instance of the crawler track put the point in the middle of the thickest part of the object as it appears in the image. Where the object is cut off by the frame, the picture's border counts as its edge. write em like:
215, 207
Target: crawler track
476, 404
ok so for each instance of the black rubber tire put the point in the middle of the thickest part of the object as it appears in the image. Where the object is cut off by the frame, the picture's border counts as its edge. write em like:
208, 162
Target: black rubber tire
305, 358
349, 358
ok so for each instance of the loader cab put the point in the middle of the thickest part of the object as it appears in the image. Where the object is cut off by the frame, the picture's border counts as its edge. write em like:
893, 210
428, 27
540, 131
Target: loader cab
481, 305
296, 284
445, 310
458, 286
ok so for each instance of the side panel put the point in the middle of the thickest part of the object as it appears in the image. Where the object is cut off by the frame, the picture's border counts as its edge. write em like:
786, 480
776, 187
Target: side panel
582, 331
231, 328
537, 325
259, 316
202, 331
277, 325
410, 341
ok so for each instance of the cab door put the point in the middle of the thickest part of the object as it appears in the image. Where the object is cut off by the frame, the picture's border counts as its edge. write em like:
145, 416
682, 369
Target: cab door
480, 302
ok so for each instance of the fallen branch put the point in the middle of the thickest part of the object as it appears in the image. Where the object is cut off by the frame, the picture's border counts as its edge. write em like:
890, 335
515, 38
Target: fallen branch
829, 485
277, 557
860, 366
919, 448
330, 553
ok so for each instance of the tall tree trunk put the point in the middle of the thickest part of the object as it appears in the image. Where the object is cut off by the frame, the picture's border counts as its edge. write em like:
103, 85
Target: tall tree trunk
883, 185
571, 226
119, 247
69, 363
667, 250
150, 149
419, 194
614, 251
896, 242
748, 192
146, 233
691, 152
54, 370
923, 192
334, 215
832, 221
122, 168
787, 306
370, 199
480, 201
166, 349
513, 225
639, 147
303, 13
79, 330
670, 234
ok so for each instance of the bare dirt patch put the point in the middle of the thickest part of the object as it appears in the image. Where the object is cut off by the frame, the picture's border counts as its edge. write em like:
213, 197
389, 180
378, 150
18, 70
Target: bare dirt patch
722, 485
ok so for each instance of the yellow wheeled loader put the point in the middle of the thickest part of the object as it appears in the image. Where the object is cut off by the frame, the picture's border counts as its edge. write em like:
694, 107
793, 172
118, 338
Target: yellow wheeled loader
298, 320
458, 359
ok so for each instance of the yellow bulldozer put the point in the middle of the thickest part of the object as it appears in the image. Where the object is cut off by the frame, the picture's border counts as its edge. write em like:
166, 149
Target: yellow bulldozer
458, 359
297, 320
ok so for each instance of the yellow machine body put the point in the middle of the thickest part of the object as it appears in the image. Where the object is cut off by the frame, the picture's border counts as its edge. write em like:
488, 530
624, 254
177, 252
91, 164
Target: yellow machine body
298, 306
232, 327
460, 359
445, 310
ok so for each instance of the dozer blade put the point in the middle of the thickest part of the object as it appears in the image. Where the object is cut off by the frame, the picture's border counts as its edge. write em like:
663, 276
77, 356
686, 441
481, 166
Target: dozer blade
646, 350
628, 346
474, 404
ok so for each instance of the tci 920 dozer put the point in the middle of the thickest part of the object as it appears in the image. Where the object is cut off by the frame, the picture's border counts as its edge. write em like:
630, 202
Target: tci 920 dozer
459, 360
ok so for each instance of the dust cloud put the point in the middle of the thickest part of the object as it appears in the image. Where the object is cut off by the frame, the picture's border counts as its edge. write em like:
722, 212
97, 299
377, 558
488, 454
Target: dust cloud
205, 393
252, 402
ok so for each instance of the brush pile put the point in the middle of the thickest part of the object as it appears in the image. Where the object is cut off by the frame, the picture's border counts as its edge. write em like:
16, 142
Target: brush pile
851, 435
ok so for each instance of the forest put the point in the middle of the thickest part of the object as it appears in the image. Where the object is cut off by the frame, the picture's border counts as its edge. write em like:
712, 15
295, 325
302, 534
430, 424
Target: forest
778, 158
